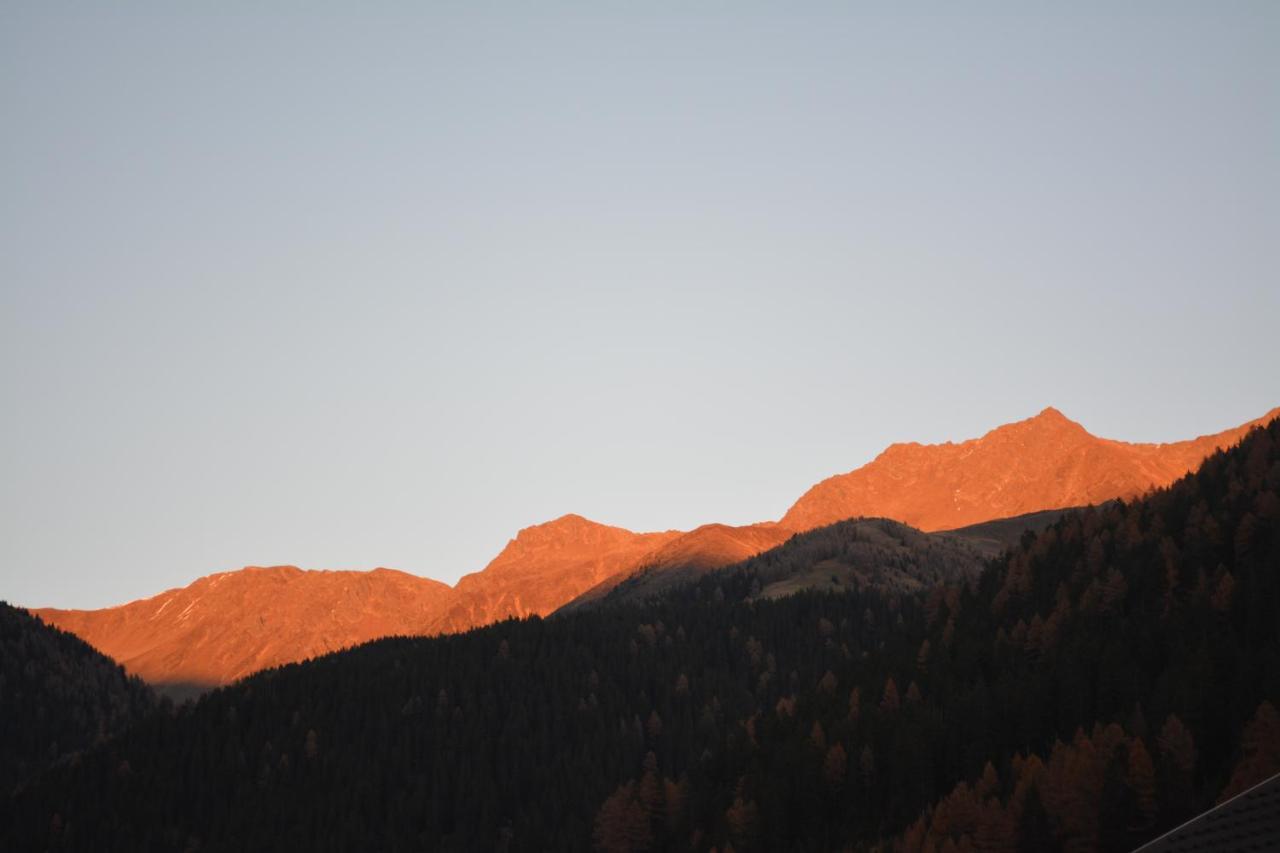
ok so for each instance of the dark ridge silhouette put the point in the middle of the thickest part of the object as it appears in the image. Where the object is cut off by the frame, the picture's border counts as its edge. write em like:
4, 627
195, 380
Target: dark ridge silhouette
854, 554
1004, 533
182, 691
865, 550
58, 696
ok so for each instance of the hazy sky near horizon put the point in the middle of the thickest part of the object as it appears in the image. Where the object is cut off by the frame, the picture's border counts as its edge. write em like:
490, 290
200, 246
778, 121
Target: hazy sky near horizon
379, 286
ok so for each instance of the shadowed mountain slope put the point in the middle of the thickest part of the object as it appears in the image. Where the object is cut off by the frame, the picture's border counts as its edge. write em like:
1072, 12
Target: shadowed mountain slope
687, 557
1000, 534
851, 554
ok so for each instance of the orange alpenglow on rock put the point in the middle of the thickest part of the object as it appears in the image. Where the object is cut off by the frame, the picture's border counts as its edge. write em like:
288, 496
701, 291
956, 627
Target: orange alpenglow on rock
545, 566
1045, 462
714, 545
228, 625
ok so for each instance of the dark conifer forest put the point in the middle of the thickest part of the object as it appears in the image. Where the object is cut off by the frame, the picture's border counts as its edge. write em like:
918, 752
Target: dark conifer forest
1099, 683
58, 697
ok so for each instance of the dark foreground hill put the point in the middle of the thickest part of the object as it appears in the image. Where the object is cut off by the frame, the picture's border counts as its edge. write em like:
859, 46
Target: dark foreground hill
1110, 677
858, 553
57, 696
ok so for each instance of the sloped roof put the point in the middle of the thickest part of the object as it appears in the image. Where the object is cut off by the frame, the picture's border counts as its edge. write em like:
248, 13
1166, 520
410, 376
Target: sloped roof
1247, 822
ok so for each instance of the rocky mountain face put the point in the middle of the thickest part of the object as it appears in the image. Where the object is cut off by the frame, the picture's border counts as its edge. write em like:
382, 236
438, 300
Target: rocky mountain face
1045, 462
545, 566
227, 625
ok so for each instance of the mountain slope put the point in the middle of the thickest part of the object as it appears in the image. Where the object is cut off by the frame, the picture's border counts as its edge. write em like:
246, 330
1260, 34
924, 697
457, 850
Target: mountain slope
848, 555
686, 557
545, 566
1001, 534
57, 696
1110, 677
223, 627
856, 553
1045, 462
227, 625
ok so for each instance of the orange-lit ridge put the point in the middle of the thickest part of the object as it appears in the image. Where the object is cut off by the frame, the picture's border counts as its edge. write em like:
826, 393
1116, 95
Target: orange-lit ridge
227, 625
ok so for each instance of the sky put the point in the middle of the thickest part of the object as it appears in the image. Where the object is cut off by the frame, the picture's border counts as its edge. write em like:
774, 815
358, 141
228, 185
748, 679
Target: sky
381, 284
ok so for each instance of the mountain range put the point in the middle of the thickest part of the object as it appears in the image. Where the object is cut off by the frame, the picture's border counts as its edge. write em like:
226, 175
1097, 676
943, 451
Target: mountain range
228, 625
864, 686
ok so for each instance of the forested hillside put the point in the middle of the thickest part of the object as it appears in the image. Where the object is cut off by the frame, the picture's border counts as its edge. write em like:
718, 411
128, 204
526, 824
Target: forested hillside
58, 696
1109, 677
858, 553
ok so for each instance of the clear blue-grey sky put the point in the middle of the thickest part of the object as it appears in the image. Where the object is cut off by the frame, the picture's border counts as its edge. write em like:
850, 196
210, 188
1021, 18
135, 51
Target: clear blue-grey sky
379, 285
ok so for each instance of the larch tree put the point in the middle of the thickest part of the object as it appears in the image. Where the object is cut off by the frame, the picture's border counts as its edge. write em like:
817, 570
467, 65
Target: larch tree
1259, 752
890, 701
